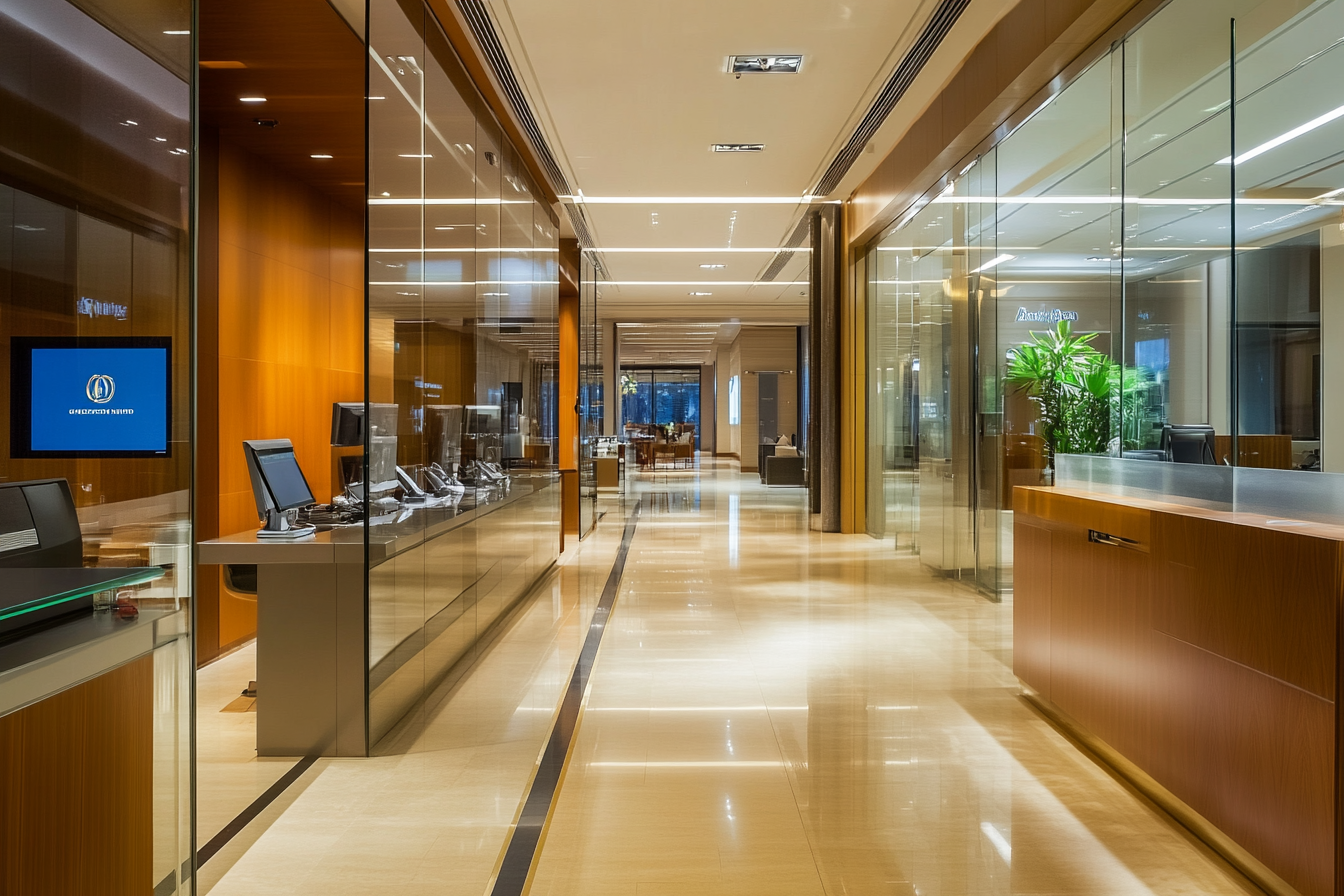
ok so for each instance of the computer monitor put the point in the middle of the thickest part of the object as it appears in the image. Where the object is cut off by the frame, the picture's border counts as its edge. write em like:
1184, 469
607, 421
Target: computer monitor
443, 423
1189, 443
347, 424
278, 486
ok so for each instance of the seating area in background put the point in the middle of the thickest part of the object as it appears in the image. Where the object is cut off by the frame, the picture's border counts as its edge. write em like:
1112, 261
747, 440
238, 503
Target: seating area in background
782, 464
655, 448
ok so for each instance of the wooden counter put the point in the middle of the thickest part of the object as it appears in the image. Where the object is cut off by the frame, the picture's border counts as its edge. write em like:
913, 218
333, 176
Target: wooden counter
1200, 649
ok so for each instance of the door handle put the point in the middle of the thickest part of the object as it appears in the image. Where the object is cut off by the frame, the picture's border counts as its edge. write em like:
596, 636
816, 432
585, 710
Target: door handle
1114, 541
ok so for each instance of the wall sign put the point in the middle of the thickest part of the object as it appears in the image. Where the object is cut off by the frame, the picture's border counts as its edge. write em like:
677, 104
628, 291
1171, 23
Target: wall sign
1045, 317
87, 307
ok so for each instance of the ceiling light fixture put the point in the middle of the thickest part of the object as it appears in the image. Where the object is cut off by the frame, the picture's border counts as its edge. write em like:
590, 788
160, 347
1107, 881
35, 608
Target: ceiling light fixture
699, 293
701, 250
738, 147
251, 99
994, 262
1284, 138
130, 124
320, 155
176, 33
765, 65
712, 267
696, 200
414, 155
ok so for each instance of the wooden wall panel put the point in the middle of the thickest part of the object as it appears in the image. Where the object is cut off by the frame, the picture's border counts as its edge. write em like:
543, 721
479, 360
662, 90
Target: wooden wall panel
290, 340
77, 789
1264, 452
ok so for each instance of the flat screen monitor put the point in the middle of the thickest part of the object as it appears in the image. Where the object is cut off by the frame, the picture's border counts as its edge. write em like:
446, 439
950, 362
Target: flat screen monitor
443, 422
347, 424
1189, 443
277, 482
90, 397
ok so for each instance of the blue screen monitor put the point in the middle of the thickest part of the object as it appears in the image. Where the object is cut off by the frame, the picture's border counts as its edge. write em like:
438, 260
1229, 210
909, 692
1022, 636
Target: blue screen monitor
90, 397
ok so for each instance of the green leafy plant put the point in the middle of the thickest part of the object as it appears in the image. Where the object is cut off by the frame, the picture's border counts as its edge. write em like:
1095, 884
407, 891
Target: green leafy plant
1082, 395
629, 385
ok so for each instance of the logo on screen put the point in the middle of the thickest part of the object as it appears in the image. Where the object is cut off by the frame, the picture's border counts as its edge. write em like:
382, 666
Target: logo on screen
100, 389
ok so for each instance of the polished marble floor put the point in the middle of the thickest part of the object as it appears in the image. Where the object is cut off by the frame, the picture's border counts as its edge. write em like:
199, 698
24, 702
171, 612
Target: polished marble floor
773, 711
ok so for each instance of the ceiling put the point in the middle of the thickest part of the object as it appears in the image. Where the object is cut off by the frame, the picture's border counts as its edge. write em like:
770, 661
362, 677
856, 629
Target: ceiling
632, 95
302, 57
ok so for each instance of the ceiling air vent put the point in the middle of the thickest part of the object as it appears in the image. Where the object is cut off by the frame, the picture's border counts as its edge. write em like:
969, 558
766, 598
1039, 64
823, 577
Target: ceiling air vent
939, 24
785, 255
738, 147
764, 65
477, 18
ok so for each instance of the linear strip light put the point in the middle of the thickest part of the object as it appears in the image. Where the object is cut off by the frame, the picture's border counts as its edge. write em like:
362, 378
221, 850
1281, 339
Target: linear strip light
689, 200
701, 282
994, 262
705, 250
468, 249
1284, 138
454, 201
1109, 200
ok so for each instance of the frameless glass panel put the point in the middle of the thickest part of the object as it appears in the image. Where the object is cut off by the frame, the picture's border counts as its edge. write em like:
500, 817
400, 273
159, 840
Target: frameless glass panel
95, 243
1289, 176
1177, 227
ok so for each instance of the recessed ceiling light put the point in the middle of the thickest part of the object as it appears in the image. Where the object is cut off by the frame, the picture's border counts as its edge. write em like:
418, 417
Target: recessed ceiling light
320, 155
130, 124
251, 99
765, 65
443, 228
712, 267
176, 32
738, 147
160, 139
414, 155
699, 293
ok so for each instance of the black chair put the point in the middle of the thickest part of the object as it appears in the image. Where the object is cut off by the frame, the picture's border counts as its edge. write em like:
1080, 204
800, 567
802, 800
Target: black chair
39, 526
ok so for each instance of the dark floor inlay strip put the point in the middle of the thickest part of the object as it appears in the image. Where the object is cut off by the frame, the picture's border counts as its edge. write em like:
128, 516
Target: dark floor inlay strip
522, 848
232, 829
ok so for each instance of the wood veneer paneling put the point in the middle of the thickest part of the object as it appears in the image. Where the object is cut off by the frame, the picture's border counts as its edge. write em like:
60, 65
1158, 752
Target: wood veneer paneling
289, 341
1207, 655
77, 789
1265, 452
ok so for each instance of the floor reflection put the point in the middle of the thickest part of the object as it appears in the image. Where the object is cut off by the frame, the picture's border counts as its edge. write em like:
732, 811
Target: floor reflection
777, 711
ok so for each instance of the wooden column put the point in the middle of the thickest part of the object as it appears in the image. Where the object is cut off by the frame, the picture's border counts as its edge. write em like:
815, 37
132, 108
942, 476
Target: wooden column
568, 401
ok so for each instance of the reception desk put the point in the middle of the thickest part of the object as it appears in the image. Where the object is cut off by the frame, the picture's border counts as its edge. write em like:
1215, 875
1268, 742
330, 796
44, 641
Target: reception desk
1198, 651
351, 636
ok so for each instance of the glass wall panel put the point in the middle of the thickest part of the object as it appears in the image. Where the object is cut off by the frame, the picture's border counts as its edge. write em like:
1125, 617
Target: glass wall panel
1077, 289
96, 348
459, 463
1288, 177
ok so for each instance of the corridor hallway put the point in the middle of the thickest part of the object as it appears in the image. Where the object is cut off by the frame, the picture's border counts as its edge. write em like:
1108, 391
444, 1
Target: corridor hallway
773, 711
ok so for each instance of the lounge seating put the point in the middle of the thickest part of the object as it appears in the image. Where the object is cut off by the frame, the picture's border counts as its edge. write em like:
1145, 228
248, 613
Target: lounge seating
785, 471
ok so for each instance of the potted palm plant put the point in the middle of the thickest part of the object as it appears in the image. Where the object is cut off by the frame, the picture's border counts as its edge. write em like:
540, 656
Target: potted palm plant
1072, 385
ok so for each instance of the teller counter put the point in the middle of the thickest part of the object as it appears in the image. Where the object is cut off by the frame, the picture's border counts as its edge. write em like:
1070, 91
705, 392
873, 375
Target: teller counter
1197, 650
352, 636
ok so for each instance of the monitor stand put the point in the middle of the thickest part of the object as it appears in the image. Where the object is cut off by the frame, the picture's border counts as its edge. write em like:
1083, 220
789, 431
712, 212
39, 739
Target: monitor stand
279, 524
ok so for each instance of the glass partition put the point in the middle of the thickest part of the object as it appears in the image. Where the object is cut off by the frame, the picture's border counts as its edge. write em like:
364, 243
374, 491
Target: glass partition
1141, 261
96, 343
458, 478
